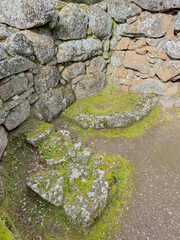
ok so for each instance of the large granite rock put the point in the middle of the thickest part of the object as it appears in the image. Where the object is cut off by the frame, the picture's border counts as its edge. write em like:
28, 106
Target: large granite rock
158, 5
25, 14
17, 115
121, 10
72, 23
74, 72
19, 44
16, 85
148, 25
11, 66
43, 44
3, 140
49, 185
172, 48
84, 209
79, 50
47, 77
97, 64
136, 62
169, 71
90, 85
147, 86
53, 102
100, 22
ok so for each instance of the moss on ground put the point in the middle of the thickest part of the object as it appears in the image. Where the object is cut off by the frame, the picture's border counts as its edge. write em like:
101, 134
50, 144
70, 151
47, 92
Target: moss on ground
5, 234
110, 100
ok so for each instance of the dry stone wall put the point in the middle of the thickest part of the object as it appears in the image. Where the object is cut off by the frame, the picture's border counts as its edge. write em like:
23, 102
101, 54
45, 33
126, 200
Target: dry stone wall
52, 53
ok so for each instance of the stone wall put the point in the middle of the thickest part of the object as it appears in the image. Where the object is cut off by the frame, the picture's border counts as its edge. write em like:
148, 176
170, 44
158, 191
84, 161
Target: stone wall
52, 53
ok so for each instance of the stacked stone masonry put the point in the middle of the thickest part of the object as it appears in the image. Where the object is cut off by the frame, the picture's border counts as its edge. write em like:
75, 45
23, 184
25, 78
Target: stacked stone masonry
52, 53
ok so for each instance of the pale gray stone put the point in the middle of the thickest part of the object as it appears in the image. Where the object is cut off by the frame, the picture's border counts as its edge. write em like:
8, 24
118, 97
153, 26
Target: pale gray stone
17, 115
3, 53
74, 73
100, 22
158, 5
155, 67
14, 65
121, 10
16, 85
117, 58
177, 23
172, 48
48, 185
25, 14
97, 64
90, 85
54, 102
3, 140
72, 23
43, 44
5, 32
19, 44
148, 25
167, 102
46, 78
79, 50
3, 112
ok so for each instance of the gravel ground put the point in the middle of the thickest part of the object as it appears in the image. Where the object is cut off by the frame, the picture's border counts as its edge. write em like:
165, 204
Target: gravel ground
155, 210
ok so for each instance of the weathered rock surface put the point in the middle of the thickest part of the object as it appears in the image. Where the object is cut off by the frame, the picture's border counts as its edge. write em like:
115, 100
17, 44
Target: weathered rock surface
5, 32
16, 85
14, 65
17, 115
19, 44
79, 50
136, 62
117, 58
172, 48
147, 86
158, 5
90, 85
72, 23
117, 120
43, 44
177, 23
86, 208
149, 25
97, 64
40, 133
3, 52
46, 78
25, 14
3, 112
74, 73
53, 102
100, 22
49, 185
169, 70
121, 10
3, 140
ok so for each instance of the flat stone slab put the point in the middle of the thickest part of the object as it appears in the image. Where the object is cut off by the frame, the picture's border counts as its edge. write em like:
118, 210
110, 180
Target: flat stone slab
116, 120
49, 185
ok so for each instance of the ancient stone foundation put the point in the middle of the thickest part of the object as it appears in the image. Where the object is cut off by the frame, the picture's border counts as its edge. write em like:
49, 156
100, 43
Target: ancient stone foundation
52, 53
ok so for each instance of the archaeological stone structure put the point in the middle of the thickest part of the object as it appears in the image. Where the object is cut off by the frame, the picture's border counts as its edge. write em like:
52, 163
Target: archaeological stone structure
52, 53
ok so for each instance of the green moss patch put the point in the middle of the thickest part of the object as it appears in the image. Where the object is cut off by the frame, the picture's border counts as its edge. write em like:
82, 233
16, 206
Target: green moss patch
110, 100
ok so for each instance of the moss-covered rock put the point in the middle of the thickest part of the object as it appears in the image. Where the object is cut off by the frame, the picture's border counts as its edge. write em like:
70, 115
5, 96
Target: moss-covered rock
40, 133
5, 234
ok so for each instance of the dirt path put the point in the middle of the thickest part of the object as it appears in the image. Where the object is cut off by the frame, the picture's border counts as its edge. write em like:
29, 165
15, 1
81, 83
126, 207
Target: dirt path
155, 211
